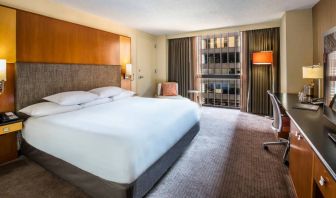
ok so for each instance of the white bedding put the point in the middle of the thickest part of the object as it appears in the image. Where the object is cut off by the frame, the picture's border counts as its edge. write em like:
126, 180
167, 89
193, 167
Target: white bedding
116, 141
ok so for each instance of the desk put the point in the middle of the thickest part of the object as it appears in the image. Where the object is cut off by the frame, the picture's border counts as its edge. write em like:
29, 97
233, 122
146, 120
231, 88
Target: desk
312, 152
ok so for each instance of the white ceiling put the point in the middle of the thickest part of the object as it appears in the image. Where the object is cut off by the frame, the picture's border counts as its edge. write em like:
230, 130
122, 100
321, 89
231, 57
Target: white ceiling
160, 17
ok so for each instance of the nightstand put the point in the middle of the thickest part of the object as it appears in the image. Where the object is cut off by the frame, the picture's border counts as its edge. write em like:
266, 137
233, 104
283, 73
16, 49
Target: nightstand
126, 84
8, 140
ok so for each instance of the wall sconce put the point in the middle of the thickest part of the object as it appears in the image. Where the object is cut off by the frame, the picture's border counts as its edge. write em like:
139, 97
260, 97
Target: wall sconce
2, 75
129, 74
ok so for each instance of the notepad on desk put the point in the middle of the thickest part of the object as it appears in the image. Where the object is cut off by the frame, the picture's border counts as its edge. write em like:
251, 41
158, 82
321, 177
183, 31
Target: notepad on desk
306, 107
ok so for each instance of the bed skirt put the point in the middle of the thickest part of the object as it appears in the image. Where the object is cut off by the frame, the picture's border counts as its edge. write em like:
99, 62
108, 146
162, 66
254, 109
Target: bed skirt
98, 187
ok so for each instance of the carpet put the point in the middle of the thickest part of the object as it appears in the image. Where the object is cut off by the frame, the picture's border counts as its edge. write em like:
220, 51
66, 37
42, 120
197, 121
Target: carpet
225, 159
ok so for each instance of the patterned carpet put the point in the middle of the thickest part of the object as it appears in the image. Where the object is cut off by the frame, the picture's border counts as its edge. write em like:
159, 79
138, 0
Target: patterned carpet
225, 159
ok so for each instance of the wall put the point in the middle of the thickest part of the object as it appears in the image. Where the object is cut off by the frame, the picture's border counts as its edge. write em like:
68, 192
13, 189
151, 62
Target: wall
59, 11
324, 18
283, 56
43, 39
161, 59
162, 43
297, 48
7, 51
125, 53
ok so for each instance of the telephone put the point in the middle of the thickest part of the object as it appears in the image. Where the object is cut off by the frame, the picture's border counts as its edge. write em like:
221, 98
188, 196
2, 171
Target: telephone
7, 116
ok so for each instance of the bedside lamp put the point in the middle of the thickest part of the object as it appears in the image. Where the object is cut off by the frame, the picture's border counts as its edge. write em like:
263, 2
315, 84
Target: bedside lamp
129, 74
2, 75
313, 72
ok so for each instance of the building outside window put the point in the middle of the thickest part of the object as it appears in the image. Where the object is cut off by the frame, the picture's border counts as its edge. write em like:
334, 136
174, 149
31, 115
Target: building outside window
220, 65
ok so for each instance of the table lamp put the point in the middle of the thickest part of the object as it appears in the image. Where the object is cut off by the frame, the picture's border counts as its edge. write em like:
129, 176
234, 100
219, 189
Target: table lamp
313, 72
129, 74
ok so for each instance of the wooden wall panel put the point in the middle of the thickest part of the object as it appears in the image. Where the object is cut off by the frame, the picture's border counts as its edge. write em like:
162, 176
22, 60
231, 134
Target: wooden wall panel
7, 51
7, 34
324, 18
47, 40
125, 53
7, 98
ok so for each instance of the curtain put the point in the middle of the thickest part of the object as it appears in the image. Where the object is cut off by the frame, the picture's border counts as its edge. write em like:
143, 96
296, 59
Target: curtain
181, 63
260, 78
244, 75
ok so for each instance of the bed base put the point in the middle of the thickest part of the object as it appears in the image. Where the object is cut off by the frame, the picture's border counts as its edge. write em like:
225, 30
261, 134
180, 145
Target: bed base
98, 187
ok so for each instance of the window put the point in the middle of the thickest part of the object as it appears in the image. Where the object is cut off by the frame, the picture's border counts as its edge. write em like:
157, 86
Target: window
331, 76
330, 66
220, 69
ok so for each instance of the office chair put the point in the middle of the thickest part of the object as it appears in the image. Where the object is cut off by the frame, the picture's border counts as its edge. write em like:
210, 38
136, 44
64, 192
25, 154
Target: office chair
277, 127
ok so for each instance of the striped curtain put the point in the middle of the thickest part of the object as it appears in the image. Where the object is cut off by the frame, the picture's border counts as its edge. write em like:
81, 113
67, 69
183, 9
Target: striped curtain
260, 78
181, 63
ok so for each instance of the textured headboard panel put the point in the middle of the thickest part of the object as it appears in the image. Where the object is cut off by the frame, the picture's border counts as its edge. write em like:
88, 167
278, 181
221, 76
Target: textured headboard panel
37, 80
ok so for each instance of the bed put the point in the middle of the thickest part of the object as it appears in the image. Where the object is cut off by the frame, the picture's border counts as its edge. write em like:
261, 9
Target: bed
117, 149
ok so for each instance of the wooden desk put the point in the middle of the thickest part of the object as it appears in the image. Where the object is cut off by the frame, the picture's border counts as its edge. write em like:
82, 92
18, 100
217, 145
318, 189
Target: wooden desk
8, 140
312, 156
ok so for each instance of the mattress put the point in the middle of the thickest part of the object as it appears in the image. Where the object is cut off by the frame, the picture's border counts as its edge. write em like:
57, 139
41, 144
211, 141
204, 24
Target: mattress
116, 141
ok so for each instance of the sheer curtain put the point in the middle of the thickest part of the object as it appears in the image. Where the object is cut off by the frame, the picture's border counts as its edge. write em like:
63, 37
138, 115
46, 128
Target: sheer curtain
183, 64
257, 79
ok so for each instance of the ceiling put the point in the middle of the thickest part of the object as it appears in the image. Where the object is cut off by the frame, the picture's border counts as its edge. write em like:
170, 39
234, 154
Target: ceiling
161, 17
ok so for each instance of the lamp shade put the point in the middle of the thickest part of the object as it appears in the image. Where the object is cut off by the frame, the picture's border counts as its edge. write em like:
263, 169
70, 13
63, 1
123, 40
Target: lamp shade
128, 69
314, 72
262, 58
2, 69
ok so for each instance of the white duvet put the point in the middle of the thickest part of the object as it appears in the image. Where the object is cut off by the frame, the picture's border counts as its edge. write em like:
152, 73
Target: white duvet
116, 141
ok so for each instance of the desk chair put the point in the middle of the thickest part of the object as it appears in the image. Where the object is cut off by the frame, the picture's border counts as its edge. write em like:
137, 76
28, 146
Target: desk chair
277, 127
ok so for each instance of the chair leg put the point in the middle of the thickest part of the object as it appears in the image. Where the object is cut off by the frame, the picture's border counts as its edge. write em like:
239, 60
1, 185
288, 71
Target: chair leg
274, 143
285, 161
280, 142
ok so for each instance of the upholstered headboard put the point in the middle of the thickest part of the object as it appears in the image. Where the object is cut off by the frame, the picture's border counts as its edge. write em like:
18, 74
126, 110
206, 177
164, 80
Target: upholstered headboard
37, 80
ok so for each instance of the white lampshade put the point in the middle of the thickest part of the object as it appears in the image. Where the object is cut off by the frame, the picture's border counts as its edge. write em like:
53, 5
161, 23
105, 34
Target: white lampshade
313, 72
128, 69
2, 69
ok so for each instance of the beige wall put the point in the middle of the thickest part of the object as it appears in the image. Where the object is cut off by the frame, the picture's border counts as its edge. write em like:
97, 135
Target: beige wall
296, 48
59, 11
161, 59
283, 56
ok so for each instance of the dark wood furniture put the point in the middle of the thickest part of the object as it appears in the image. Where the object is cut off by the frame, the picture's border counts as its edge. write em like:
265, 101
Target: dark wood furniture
312, 156
8, 140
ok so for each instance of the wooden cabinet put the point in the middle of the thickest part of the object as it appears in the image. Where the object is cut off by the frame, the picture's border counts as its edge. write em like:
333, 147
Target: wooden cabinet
10, 128
301, 159
323, 180
8, 141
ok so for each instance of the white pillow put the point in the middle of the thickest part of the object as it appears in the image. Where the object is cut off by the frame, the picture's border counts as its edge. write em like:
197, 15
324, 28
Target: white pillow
105, 92
96, 102
47, 108
71, 97
124, 94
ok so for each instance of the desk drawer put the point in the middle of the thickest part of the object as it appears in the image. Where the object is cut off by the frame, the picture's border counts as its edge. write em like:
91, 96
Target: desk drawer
10, 128
324, 180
